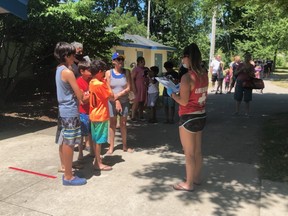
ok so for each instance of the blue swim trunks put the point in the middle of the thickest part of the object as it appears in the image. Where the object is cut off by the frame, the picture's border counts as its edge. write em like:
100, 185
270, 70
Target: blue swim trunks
85, 124
99, 132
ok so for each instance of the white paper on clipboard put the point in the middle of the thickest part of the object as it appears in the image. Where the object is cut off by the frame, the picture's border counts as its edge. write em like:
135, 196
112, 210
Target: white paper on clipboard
167, 83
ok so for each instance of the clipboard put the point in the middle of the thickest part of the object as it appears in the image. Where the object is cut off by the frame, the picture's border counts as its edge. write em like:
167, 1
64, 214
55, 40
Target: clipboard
167, 83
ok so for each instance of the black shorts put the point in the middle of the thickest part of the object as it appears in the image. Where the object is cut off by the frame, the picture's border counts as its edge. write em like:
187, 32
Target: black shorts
214, 77
193, 122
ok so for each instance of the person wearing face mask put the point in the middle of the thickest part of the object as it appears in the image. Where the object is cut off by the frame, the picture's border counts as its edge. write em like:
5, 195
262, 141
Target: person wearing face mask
79, 56
191, 98
169, 103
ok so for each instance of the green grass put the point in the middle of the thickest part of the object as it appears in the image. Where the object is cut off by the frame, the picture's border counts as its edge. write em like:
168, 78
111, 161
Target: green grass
280, 78
274, 149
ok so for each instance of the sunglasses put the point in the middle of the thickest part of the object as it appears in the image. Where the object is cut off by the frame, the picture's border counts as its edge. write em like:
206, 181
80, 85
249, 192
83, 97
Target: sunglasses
119, 59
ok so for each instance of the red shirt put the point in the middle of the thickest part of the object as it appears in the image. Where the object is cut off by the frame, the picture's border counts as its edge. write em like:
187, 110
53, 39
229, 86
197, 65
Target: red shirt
83, 85
198, 95
99, 96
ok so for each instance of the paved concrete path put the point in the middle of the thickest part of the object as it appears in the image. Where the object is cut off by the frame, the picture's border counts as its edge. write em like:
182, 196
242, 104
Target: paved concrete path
140, 183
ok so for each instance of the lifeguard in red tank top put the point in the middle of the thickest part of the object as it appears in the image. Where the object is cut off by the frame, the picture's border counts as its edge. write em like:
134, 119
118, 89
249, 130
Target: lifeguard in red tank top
198, 95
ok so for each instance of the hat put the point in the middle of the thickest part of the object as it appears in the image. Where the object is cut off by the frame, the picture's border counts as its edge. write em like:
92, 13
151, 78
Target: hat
116, 55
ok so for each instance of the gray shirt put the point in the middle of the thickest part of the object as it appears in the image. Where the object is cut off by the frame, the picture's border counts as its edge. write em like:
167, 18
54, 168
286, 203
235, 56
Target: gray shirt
67, 101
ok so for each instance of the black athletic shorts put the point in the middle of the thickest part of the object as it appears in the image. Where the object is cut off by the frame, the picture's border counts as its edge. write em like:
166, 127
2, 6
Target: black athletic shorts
193, 122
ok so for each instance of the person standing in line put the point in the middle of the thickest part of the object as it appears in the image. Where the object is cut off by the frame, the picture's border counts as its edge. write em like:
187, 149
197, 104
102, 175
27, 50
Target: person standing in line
139, 87
68, 131
119, 80
78, 57
214, 66
153, 93
169, 104
192, 100
83, 83
244, 71
100, 93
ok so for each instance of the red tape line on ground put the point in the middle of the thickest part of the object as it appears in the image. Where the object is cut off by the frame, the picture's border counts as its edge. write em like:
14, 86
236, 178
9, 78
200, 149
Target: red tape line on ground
31, 172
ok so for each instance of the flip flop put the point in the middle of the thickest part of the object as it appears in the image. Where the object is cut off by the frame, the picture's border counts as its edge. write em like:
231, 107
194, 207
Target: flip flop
105, 168
178, 187
61, 170
195, 183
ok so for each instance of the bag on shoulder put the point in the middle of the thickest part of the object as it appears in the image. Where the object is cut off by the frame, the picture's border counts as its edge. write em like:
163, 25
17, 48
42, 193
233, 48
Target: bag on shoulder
253, 83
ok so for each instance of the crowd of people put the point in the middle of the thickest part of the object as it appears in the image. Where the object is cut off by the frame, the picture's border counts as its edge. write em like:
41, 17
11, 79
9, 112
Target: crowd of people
94, 100
238, 72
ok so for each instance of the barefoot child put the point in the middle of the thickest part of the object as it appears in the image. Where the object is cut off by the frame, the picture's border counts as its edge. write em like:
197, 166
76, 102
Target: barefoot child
100, 92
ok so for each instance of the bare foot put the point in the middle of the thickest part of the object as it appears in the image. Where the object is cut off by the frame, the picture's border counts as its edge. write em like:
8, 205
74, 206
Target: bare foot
129, 150
102, 167
61, 169
109, 152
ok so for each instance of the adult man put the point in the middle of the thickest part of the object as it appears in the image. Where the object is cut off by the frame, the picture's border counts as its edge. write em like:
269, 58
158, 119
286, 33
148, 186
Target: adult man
78, 57
214, 66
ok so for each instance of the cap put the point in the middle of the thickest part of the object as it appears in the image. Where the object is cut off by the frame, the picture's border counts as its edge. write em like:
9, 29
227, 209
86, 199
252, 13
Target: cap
116, 55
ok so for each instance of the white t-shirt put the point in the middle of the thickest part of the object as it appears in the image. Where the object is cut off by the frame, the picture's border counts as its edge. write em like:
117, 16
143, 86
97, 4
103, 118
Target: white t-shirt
153, 88
215, 66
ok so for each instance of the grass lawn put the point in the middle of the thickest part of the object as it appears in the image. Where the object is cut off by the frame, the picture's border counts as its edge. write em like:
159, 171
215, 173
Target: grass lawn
280, 78
274, 149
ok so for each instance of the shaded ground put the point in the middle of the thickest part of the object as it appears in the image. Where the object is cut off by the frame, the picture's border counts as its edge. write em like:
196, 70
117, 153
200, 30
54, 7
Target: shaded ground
27, 116
140, 183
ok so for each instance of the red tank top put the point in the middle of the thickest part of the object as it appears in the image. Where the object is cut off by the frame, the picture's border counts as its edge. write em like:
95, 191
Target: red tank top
198, 95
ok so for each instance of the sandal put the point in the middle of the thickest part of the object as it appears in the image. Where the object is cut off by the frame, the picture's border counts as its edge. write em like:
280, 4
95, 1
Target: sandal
181, 188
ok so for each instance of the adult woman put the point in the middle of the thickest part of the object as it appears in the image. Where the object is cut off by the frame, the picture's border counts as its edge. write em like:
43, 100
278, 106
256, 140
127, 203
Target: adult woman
245, 70
192, 99
119, 80
140, 87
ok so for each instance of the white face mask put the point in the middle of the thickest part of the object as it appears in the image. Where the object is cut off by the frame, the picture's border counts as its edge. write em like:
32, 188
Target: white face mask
184, 65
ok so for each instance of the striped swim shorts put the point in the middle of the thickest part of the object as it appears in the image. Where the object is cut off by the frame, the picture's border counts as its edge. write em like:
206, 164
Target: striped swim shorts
68, 131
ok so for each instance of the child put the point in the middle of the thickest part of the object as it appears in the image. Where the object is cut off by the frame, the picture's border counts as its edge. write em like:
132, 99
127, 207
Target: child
100, 93
153, 92
169, 104
227, 79
83, 83
69, 131
220, 78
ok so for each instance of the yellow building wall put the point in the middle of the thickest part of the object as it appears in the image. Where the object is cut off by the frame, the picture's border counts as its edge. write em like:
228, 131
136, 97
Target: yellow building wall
149, 55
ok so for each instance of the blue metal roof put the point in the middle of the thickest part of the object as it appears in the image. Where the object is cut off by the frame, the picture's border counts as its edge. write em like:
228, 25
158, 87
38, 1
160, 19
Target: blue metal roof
141, 42
16, 7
